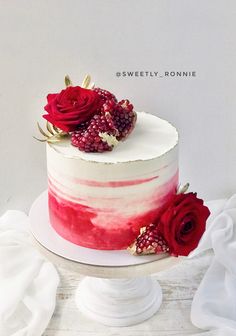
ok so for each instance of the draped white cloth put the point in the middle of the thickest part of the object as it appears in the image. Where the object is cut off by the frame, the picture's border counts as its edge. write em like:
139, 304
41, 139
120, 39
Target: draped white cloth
28, 282
214, 304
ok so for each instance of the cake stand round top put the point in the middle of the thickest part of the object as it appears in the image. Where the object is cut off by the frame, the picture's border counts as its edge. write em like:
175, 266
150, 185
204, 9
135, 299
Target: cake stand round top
97, 263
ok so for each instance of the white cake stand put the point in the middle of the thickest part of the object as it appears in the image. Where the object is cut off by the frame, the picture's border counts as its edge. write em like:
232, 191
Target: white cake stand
117, 289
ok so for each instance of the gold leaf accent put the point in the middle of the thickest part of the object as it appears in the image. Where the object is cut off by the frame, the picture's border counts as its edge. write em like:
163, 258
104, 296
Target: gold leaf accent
42, 131
86, 82
109, 139
41, 140
56, 130
92, 86
132, 249
182, 188
143, 229
54, 139
68, 81
49, 128
55, 134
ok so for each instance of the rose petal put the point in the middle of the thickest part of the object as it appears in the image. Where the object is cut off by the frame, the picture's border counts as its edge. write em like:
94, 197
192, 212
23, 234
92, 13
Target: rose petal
48, 108
51, 97
183, 208
72, 107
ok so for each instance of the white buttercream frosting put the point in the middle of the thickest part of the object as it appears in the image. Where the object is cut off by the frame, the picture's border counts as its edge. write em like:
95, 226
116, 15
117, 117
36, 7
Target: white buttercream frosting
152, 137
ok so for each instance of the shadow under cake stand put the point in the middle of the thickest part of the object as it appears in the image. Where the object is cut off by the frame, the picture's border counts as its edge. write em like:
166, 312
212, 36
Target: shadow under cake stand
118, 289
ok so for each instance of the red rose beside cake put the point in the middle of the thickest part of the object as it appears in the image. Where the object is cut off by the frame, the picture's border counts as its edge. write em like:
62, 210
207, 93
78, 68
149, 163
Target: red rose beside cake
113, 172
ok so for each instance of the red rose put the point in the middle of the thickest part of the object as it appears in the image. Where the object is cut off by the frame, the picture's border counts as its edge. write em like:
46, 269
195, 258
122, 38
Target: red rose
71, 107
183, 223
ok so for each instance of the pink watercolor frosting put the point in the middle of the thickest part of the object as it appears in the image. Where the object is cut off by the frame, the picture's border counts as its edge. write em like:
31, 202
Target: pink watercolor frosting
77, 222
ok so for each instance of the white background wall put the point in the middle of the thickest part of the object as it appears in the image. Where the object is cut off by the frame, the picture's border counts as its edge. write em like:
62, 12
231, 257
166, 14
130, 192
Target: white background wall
41, 41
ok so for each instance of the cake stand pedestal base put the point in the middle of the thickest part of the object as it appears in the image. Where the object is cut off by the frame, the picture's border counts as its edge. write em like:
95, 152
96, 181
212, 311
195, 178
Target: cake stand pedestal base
117, 290
119, 302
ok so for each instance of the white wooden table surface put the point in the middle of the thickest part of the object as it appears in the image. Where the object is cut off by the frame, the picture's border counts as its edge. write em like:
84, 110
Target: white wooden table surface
178, 284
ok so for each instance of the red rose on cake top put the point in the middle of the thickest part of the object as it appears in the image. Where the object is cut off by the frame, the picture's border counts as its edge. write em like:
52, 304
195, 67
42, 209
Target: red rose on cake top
71, 107
93, 117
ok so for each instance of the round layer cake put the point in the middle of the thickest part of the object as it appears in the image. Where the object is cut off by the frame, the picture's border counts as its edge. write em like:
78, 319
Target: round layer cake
101, 200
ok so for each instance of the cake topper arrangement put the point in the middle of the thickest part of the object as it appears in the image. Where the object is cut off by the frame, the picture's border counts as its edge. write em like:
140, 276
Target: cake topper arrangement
93, 117
178, 228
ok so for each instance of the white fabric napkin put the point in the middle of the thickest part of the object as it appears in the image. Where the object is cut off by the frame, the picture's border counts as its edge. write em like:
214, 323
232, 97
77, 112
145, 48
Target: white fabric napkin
214, 304
28, 282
